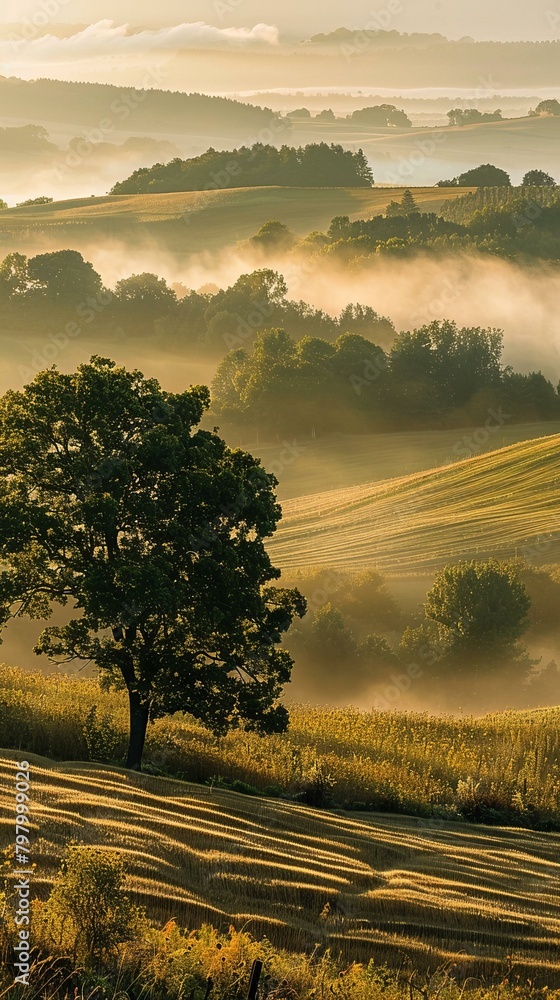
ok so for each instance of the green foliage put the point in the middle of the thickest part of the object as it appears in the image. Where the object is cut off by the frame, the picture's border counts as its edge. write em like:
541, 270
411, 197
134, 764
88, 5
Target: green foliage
481, 610
145, 291
471, 116
432, 372
406, 206
64, 275
88, 911
510, 200
487, 175
112, 500
404, 761
101, 736
316, 165
538, 178
43, 200
381, 114
548, 107
273, 236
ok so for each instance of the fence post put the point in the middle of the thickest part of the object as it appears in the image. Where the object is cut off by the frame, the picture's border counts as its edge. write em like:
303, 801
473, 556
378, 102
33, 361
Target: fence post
255, 976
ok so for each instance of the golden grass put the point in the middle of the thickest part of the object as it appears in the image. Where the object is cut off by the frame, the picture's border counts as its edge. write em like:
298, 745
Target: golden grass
192, 221
394, 885
500, 503
342, 460
400, 761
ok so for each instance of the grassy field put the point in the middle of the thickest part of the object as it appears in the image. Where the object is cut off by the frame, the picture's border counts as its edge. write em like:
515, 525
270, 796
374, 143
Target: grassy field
424, 156
379, 886
194, 221
504, 765
501, 503
342, 460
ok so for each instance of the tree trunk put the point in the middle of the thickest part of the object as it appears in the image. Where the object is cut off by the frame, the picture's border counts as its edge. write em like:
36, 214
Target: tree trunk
139, 714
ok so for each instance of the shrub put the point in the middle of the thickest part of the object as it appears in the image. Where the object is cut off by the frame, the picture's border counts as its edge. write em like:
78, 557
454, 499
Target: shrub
88, 911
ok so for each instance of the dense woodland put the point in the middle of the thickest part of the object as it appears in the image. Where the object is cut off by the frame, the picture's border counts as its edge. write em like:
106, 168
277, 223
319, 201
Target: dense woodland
287, 367
436, 376
515, 223
316, 165
145, 109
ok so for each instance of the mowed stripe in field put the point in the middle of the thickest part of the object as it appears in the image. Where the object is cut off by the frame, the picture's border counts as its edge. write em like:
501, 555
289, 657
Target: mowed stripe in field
494, 504
393, 885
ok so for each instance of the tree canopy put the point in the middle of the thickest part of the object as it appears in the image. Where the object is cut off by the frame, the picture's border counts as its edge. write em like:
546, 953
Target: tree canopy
486, 175
538, 178
315, 165
153, 531
480, 609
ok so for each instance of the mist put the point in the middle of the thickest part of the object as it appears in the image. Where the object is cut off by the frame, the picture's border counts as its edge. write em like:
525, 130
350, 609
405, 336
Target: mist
471, 290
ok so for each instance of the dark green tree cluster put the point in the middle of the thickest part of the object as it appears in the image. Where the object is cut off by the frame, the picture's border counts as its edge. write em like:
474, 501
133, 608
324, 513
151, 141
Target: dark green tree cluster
550, 107
523, 224
60, 277
381, 114
471, 116
316, 165
512, 201
487, 175
438, 375
474, 616
61, 291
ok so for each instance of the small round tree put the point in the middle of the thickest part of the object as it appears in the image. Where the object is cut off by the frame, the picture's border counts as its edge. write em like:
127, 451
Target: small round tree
153, 531
480, 609
538, 178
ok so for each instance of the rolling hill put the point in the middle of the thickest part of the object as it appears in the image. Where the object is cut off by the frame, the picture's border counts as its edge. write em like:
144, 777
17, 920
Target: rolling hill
382, 886
342, 460
194, 221
502, 503
425, 156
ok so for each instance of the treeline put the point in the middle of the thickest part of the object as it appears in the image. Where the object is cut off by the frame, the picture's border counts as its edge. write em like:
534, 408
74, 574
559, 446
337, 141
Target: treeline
60, 295
316, 165
522, 227
106, 107
501, 199
435, 376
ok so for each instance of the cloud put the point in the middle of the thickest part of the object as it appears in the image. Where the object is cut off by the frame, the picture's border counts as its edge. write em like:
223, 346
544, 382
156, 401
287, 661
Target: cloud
105, 39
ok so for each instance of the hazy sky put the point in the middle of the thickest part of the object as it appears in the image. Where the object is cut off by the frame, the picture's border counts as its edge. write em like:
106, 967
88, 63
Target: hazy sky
499, 19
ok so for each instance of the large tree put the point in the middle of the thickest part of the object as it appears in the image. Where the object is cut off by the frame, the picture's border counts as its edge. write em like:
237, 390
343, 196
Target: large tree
153, 530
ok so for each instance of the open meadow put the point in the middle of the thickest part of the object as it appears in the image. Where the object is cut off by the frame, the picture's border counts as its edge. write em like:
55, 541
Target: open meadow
503, 503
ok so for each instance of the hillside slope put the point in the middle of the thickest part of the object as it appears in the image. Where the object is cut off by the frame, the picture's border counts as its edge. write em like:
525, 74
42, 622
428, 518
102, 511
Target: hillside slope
395, 885
193, 221
502, 503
